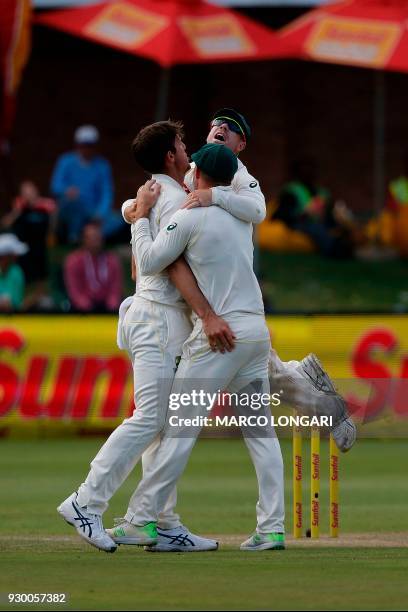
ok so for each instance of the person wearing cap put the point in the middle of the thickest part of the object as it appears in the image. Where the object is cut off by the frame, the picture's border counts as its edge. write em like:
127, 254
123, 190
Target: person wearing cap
219, 250
301, 380
245, 200
215, 166
11, 276
82, 184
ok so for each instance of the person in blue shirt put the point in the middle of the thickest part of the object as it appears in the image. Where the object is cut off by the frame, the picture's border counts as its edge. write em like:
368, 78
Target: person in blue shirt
83, 187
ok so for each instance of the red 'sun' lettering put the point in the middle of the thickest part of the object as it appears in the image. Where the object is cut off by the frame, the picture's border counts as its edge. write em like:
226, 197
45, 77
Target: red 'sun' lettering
400, 404
364, 366
93, 368
9, 380
56, 406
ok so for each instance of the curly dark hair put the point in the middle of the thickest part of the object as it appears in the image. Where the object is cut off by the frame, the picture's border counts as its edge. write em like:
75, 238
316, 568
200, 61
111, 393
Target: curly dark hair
153, 142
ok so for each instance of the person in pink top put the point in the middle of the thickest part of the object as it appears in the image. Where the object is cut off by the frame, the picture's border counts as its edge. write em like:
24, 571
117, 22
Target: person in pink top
93, 276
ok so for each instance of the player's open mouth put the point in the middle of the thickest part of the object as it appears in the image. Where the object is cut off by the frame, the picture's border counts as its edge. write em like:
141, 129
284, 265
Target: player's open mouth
219, 136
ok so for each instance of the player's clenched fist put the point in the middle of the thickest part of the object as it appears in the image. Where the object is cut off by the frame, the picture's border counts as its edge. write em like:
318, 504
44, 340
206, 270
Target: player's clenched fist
145, 200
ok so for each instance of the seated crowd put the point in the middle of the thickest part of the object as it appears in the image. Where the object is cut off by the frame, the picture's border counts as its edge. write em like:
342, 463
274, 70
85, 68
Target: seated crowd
79, 217
304, 205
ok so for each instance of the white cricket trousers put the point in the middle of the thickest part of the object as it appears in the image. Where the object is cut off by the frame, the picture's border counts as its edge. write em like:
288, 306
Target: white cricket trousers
153, 335
200, 369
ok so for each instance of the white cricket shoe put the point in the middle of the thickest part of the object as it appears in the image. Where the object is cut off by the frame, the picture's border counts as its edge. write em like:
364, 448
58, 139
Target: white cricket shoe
124, 532
89, 526
180, 539
264, 541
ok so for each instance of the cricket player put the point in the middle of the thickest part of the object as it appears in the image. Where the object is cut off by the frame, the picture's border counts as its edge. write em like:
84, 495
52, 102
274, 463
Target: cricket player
154, 329
305, 384
218, 248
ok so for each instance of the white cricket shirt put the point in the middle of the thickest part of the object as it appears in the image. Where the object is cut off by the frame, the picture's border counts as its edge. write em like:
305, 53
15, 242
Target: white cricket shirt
158, 287
219, 250
245, 200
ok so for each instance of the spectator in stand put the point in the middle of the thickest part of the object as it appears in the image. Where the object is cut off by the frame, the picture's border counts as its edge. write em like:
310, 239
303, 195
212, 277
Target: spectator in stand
82, 184
32, 219
397, 195
396, 212
307, 207
93, 277
11, 275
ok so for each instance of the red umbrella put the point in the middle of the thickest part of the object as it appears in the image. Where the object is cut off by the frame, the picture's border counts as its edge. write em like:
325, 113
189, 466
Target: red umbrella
369, 33
365, 33
170, 32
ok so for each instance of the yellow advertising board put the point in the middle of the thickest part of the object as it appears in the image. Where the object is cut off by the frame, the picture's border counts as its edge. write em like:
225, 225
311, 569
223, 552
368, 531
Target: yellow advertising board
67, 370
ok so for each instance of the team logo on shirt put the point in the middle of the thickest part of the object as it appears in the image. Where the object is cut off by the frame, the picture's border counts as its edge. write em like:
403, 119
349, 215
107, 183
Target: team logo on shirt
253, 184
171, 226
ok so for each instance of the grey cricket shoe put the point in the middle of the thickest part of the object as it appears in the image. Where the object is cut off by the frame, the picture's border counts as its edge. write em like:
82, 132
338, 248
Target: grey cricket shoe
344, 434
317, 375
343, 430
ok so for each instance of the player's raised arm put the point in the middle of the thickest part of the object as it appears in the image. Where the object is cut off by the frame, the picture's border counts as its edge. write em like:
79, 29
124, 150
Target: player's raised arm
247, 203
244, 201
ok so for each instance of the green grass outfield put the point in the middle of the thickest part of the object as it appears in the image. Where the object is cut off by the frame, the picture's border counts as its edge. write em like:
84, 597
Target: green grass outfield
327, 285
368, 569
